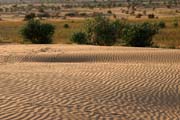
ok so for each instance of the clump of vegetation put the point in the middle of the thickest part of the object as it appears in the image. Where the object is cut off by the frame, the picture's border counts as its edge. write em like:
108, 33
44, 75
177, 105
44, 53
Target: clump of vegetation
161, 24
151, 16
101, 31
66, 26
175, 23
139, 15
139, 35
83, 14
109, 12
29, 16
79, 37
71, 14
37, 32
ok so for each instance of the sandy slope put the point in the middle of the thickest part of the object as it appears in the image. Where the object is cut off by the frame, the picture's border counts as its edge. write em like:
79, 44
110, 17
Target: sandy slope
55, 82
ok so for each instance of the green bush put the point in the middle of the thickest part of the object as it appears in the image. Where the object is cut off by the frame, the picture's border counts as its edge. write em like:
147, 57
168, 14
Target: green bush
161, 24
66, 26
29, 16
101, 31
139, 35
37, 32
79, 37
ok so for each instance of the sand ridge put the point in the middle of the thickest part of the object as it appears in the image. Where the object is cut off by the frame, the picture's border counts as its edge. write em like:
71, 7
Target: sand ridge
57, 82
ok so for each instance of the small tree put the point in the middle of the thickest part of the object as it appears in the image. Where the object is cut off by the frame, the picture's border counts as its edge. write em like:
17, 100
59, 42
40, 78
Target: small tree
101, 31
79, 37
139, 35
37, 32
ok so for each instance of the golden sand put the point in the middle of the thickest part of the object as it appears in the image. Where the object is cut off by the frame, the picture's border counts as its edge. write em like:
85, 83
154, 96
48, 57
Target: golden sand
71, 82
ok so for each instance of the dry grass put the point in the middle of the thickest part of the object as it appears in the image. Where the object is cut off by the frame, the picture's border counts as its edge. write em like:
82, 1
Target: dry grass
9, 31
168, 37
62, 35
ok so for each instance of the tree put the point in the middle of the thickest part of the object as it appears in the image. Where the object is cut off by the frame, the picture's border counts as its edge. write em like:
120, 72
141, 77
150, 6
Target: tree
139, 35
101, 31
37, 32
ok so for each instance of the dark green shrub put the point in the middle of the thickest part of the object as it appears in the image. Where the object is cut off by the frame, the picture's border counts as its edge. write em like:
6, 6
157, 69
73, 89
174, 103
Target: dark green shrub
29, 16
139, 35
37, 32
101, 31
161, 24
66, 26
118, 26
79, 37
175, 23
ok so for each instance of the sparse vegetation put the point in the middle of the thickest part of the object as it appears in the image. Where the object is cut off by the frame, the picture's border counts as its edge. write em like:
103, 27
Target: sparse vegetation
169, 36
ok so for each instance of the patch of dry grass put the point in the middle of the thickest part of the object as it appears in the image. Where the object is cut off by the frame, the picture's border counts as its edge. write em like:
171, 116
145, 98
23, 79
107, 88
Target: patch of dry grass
9, 31
62, 35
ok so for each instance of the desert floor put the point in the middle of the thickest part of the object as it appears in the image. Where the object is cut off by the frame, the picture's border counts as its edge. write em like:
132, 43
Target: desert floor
72, 82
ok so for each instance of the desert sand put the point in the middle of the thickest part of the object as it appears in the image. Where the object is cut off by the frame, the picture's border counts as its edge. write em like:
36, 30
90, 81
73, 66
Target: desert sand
73, 82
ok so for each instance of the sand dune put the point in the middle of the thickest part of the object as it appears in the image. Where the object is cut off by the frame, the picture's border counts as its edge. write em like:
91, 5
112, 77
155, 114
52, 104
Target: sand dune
71, 82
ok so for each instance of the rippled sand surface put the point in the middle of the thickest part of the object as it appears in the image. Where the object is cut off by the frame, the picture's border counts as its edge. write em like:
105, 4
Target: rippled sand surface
71, 82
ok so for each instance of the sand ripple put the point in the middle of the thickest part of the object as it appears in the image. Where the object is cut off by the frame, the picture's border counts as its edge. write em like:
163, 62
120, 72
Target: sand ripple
56, 82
